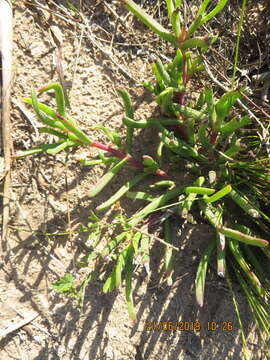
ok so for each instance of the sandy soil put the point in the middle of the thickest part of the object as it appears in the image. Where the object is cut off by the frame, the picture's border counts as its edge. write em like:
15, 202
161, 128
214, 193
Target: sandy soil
50, 195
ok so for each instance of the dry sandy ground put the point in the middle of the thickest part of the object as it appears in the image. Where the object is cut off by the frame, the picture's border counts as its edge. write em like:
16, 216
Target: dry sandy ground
50, 194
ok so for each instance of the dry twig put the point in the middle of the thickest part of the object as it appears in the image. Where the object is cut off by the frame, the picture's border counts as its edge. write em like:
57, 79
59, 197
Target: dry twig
18, 325
29, 116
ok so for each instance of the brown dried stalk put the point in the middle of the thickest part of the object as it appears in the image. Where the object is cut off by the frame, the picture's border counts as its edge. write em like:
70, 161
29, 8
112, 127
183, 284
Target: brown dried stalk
6, 80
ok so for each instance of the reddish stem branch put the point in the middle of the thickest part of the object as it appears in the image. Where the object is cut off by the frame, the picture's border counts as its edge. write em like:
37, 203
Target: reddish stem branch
121, 155
213, 137
118, 153
153, 219
182, 129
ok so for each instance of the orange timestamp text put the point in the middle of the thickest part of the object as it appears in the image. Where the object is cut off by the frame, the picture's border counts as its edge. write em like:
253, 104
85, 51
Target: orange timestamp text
172, 325
220, 325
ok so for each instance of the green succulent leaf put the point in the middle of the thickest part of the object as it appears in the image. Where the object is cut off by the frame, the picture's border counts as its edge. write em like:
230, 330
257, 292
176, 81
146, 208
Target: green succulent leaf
164, 75
202, 271
128, 278
170, 7
149, 21
242, 237
176, 21
220, 5
59, 97
225, 104
104, 181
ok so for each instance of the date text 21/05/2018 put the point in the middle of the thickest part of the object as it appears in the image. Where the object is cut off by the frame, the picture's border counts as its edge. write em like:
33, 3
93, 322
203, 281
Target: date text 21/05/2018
187, 326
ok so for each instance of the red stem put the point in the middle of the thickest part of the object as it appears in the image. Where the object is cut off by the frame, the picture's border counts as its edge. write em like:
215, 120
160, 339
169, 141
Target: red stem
131, 160
182, 129
213, 137
118, 153
184, 69
152, 219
